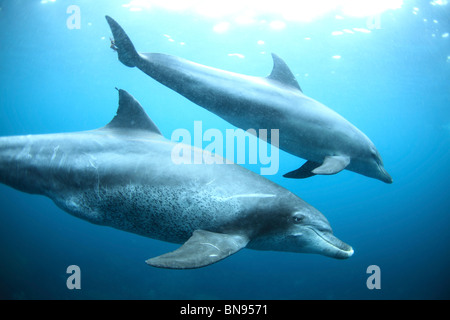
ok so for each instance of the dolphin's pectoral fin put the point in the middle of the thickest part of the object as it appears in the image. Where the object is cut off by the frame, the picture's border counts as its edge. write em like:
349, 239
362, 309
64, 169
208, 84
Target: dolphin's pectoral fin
305, 171
332, 165
202, 249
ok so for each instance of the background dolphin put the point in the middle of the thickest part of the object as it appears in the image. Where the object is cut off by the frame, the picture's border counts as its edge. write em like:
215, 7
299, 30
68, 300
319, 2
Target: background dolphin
308, 129
123, 176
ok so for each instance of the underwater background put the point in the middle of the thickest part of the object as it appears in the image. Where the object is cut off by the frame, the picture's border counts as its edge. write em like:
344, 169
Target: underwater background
387, 71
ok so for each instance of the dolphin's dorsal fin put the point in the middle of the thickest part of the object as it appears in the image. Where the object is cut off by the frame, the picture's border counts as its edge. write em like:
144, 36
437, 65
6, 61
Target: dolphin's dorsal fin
130, 115
282, 73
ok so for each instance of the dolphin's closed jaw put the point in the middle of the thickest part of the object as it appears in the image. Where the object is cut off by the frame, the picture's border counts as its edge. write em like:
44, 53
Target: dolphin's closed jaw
345, 254
332, 246
387, 177
383, 175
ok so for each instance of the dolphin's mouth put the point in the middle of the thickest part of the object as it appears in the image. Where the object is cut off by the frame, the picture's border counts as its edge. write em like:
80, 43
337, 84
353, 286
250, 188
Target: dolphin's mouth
386, 176
334, 247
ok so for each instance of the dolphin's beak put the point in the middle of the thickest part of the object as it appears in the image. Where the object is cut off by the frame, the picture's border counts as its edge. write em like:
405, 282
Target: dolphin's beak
333, 247
386, 176
382, 174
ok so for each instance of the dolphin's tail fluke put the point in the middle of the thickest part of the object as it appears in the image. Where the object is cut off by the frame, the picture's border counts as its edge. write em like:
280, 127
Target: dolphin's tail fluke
122, 44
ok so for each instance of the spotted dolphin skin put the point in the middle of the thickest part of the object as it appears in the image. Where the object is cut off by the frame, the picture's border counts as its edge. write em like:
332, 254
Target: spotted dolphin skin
308, 129
123, 176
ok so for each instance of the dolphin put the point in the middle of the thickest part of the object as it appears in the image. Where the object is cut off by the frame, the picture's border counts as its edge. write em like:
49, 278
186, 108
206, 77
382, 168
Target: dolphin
122, 176
308, 129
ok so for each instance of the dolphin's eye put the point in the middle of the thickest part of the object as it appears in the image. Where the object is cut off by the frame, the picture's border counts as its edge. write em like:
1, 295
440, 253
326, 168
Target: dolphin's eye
298, 218
374, 153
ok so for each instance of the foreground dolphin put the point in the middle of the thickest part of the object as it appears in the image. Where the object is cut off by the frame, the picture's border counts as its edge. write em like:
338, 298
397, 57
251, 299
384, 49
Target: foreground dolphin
308, 129
123, 176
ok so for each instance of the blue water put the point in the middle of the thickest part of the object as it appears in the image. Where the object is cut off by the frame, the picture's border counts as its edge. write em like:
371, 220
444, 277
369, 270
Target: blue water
393, 83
